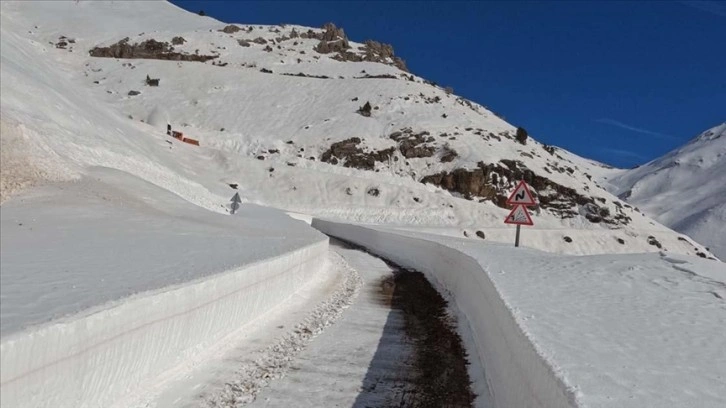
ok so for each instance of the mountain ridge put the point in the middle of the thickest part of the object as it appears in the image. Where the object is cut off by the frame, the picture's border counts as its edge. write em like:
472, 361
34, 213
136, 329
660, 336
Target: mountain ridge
289, 125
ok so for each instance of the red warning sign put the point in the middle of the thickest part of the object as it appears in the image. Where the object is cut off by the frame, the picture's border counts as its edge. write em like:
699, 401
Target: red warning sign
519, 216
521, 195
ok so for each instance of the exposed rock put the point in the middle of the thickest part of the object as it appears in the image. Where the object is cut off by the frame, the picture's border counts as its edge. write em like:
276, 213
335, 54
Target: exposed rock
354, 156
381, 76
654, 242
365, 110
152, 81
494, 181
413, 145
149, 49
243, 43
300, 74
178, 41
373, 191
134, 93
266, 71
449, 155
333, 39
259, 40
480, 234
521, 135
230, 29
567, 239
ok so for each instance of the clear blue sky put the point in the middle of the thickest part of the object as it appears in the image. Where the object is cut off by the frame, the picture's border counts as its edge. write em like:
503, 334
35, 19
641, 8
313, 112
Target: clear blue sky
619, 82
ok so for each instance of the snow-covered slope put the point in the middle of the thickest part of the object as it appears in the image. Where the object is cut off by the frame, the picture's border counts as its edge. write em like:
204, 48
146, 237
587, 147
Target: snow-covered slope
276, 113
685, 189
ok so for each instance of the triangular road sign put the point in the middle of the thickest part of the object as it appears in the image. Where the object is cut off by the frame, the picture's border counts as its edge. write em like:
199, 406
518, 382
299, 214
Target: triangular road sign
521, 195
519, 216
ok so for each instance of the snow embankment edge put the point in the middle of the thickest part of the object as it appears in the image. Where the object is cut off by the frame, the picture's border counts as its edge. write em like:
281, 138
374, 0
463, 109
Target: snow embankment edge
96, 359
515, 374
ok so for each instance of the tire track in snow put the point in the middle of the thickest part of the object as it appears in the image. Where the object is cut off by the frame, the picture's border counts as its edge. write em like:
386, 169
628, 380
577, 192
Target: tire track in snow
274, 361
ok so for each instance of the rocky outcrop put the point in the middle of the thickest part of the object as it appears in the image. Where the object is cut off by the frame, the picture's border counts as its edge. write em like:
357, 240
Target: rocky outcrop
492, 182
178, 41
365, 110
230, 29
414, 145
333, 39
348, 152
149, 49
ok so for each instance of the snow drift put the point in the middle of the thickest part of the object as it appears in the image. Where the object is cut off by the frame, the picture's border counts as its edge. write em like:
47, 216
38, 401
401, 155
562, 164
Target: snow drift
625, 331
128, 281
94, 360
516, 375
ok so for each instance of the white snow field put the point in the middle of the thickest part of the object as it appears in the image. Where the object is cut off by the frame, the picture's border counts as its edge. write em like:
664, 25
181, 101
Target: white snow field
640, 330
108, 285
685, 189
122, 271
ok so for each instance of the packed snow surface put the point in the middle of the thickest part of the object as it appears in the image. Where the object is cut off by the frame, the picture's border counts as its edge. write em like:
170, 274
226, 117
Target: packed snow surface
639, 330
93, 242
685, 189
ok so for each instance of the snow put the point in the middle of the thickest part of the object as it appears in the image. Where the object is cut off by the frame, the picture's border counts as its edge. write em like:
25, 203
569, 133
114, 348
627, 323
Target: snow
127, 281
120, 263
684, 189
86, 124
640, 330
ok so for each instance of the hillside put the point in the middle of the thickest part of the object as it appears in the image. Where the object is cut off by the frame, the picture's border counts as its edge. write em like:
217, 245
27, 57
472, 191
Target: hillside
280, 113
684, 189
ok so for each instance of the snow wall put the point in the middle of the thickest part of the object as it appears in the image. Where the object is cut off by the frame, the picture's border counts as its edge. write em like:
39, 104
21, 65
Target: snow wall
96, 359
515, 374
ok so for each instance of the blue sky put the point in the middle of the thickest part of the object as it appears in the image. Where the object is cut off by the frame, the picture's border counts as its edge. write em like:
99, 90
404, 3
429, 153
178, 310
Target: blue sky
619, 82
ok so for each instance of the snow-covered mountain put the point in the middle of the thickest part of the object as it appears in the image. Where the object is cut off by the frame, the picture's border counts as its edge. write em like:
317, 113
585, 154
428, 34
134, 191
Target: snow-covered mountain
298, 118
685, 189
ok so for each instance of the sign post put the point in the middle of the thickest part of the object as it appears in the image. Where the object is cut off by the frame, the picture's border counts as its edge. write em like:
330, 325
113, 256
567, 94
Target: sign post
235, 202
520, 199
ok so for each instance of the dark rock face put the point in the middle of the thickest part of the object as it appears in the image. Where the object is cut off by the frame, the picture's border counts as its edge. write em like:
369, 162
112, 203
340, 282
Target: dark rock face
449, 155
365, 110
333, 39
149, 49
243, 43
480, 234
134, 93
230, 29
493, 181
654, 242
353, 156
178, 41
414, 145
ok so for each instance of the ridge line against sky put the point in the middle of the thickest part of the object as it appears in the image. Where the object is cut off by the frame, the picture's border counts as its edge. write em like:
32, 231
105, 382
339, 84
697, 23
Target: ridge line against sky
550, 67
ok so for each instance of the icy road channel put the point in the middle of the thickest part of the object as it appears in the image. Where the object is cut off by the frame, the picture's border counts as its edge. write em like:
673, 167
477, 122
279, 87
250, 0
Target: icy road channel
394, 346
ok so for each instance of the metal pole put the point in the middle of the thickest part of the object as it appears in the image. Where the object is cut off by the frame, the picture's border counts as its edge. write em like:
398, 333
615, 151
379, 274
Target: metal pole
516, 240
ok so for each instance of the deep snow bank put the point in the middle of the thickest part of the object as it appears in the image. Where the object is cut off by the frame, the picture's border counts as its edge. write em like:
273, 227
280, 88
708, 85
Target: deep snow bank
109, 285
516, 374
625, 331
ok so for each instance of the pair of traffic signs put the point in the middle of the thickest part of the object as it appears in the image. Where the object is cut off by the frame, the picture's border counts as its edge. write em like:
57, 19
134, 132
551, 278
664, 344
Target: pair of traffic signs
520, 199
